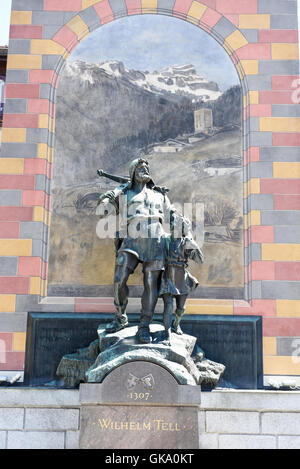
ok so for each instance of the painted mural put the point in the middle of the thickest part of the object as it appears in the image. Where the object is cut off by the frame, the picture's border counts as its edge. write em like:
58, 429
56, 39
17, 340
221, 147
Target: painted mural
162, 88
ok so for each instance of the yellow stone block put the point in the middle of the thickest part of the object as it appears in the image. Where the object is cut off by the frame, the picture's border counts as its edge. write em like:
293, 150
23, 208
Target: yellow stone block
20, 17
46, 46
43, 151
19, 341
250, 67
15, 247
253, 97
286, 170
43, 121
41, 214
279, 124
88, 3
15, 135
288, 308
195, 306
11, 165
78, 26
35, 286
281, 365
253, 186
235, 40
25, 61
254, 21
254, 217
7, 303
196, 10
149, 5
285, 52
269, 346
280, 252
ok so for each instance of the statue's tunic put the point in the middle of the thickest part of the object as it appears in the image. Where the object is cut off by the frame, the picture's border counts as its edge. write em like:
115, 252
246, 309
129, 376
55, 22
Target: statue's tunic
142, 232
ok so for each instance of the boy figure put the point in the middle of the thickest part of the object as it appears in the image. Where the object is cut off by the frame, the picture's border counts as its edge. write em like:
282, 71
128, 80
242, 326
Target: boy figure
177, 282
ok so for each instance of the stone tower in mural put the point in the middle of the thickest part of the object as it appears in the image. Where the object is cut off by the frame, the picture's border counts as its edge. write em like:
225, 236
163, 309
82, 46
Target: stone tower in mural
203, 120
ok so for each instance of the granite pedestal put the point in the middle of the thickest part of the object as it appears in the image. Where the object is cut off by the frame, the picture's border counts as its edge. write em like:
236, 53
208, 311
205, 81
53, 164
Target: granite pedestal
139, 405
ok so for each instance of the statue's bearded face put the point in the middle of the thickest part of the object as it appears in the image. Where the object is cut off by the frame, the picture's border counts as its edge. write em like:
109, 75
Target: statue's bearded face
142, 172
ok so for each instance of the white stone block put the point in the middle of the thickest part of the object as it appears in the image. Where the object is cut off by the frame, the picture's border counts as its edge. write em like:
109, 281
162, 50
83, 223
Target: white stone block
247, 442
29, 397
287, 423
72, 440
288, 442
51, 419
2, 439
208, 441
232, 422
11, 419
35, 440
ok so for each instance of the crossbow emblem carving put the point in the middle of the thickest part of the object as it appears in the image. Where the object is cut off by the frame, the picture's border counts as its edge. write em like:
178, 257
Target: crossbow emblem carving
147, 381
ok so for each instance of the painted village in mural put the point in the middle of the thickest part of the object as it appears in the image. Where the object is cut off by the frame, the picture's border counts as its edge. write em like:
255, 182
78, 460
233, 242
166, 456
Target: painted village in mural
182, 113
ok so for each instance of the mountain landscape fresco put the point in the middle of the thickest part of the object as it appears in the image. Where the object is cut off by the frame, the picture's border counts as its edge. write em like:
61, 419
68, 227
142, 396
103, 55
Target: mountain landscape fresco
108, 114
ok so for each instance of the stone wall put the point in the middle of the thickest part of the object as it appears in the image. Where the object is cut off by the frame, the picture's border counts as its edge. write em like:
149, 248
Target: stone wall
228, 419
261, 38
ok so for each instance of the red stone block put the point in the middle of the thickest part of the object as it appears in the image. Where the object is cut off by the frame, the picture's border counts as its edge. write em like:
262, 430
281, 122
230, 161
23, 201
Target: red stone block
133, 6
35, 166
266, 308
16, 213
281, 327
182, 6
17, 285
253, 154
8, 181
66, 38
287, 271
209, 3
34, 198
262, 234
254, 52
30, 266
287, 202
9, 229
13, 361
39, 106
260, 110
23, 121
44, 272
6, 341
236, 6
278, 35
41, 76
286, 139
24, 90
280, 186
104, 11
288, 82
94, 308
63, 5
210, 17
25, 31
262, 270
276, 97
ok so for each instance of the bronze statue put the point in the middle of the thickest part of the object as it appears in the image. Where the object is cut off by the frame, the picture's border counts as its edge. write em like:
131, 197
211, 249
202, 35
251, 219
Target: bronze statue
164, 257
148, 208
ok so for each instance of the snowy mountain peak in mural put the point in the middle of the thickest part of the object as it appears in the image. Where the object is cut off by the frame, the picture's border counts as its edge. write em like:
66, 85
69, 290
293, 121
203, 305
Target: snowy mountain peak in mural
180, 80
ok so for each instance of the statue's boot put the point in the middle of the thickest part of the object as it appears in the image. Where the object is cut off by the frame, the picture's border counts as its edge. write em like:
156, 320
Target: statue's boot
143, 333
120, 321
176, 323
